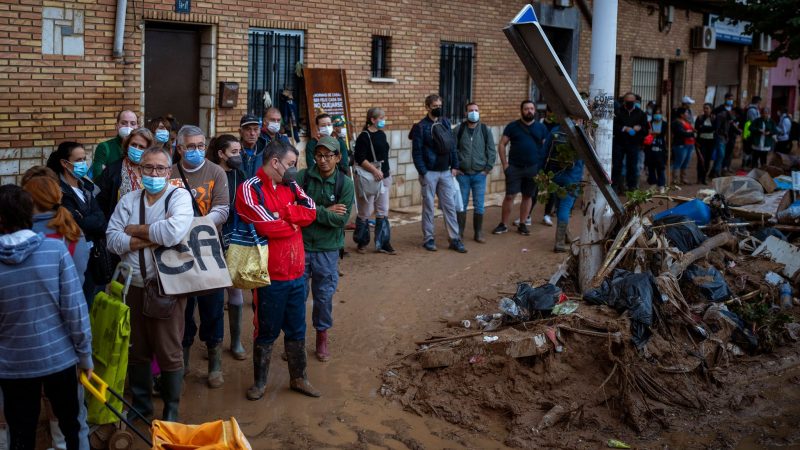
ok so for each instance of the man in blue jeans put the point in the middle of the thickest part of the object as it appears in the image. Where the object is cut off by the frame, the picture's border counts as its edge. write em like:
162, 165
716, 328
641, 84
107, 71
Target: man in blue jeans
476, 157
278, 209
435, 158
332, 191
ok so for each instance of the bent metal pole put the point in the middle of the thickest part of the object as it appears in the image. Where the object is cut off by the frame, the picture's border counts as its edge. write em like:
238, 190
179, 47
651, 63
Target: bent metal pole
597, 215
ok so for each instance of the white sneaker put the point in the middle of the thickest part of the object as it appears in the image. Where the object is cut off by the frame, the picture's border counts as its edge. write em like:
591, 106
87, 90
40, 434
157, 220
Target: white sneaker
547, 220
527, 222
662, 190
516, 222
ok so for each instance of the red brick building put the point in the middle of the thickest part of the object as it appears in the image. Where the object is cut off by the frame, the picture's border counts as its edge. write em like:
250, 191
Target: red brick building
60, 79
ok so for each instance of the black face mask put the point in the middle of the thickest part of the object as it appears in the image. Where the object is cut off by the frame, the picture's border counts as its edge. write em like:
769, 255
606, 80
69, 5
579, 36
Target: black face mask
630, 105
436, 112
527, 117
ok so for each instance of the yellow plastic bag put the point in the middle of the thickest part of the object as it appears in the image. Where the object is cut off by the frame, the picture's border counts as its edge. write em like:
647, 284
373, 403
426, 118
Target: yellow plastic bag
219, 435
247, 257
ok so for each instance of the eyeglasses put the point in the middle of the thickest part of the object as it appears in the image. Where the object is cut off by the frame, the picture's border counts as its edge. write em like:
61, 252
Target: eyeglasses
154, 170
321, 157
192, 147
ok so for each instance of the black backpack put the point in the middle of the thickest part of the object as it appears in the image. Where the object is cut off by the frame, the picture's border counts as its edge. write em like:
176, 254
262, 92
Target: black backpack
443, 141
794, 132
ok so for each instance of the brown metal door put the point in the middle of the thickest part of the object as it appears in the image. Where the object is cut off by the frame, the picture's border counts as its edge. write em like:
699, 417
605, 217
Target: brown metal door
172, 72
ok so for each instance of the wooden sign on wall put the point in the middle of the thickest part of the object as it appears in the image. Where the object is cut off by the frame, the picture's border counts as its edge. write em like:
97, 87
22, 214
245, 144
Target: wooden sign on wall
326, 92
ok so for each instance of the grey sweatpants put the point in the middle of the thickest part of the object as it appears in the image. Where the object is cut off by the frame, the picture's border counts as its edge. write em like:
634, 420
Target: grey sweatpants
439, 184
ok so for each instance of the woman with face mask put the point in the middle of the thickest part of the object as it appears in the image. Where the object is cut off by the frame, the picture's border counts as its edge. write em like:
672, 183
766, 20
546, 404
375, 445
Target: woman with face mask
79, 198
162, 132
123, 176
655, 152
225, 151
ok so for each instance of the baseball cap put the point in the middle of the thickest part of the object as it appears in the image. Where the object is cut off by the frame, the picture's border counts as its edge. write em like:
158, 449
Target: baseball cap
688, 100
338, 121
328, 142
248, 119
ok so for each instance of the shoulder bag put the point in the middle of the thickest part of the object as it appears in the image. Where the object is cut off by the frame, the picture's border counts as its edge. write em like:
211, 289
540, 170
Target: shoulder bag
156, 304
367, 183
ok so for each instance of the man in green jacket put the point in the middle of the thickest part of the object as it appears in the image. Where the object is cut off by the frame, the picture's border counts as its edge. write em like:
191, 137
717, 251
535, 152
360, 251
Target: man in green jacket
332, 191
111, 150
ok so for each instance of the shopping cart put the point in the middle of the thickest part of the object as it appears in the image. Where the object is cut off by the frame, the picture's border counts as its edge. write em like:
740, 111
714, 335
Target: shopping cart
218, 435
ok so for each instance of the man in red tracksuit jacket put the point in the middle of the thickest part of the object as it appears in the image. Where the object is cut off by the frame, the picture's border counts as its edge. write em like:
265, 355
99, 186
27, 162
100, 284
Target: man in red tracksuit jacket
278, 208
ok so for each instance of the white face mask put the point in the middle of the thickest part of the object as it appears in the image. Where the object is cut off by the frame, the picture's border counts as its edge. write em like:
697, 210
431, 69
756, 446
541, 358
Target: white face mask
124, 132
274, 127
343, 133
326, 131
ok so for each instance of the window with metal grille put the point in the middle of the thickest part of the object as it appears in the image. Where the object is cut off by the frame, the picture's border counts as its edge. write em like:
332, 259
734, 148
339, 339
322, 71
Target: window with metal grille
455, 78
380, 56
647, 75
272, 60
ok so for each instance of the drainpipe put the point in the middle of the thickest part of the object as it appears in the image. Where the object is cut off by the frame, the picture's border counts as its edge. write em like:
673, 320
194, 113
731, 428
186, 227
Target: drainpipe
119, 28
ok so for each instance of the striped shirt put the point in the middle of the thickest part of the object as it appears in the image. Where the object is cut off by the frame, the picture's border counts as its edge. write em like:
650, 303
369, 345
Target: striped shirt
44, 321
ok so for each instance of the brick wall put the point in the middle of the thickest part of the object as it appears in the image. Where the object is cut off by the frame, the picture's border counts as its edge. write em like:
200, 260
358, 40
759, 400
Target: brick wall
47, 98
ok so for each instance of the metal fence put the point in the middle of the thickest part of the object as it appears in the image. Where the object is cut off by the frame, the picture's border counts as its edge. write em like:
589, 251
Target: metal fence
455, 78
272, 60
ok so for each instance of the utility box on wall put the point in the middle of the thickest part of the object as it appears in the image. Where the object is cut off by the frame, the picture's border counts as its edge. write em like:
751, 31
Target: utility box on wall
228, 94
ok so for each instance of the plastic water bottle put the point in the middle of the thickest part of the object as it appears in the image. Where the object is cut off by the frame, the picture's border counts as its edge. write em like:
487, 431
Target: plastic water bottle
786, 296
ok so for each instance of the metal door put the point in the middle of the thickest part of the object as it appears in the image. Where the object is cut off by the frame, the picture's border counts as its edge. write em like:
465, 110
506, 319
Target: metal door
172, 72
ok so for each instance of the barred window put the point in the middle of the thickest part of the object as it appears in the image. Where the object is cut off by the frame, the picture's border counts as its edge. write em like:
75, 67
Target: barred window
380, 56
272, 60
455, 78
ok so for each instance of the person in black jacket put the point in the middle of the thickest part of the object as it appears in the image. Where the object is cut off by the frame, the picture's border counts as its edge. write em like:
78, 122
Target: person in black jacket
630, 129
68, 161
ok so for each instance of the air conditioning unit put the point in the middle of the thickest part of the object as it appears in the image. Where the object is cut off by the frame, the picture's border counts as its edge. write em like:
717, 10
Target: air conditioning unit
704, 38
762, 42
563, 3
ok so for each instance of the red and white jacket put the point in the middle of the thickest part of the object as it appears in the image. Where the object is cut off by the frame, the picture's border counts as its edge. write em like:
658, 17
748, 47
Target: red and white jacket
287, 210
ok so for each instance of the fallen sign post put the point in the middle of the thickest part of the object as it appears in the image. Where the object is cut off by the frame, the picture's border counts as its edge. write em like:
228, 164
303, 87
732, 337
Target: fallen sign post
537, 55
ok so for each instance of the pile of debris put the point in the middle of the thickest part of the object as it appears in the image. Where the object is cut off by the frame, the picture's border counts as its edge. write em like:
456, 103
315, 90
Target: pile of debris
681, 299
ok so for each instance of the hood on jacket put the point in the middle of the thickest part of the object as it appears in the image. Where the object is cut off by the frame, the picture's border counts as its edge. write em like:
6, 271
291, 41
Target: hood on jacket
16, 247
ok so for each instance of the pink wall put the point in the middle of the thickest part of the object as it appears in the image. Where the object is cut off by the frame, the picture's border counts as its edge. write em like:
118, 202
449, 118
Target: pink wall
787, 73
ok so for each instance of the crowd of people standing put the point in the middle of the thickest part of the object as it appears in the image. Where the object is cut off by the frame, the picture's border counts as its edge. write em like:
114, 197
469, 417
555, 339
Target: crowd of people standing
640, 135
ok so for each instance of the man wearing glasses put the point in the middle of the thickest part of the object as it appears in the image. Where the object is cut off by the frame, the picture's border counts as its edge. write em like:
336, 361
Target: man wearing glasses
332, 191
168, 217
208, 184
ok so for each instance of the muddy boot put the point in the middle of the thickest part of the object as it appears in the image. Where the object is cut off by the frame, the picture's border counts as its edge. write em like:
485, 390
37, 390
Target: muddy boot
235, 324
361, 234
140, 382
477, 224
261, 356
684, 178
322, 346
561, 238
296, 351
461, 217
186, 353
215, 379
171, 387
383, 236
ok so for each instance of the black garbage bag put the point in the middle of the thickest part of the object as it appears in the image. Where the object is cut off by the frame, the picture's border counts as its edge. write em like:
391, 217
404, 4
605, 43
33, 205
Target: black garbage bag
743, 336
764, 233
632, 292
536, 301
709, 281
686, 236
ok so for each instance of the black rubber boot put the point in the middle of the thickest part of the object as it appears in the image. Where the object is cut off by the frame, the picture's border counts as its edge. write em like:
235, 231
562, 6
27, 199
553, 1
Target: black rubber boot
140, 382
461, 217
561, 238
477, 224
296, 351
186, 353
261, 356
361, 234
171, 387
215, 379
235, 325
383, 236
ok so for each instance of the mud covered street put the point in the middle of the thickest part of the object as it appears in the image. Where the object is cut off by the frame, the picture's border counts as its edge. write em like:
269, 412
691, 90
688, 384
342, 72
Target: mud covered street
385, 303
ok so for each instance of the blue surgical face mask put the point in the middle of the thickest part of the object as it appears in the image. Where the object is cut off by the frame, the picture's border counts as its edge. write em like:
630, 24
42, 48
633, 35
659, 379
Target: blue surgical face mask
162, 136
195, 157
79, 169
154, 185
638, 105
473, 116
657, 117
381, 123
728, 102
135, 155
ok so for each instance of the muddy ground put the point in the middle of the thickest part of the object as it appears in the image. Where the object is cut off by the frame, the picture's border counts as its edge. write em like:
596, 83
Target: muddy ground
385, 303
